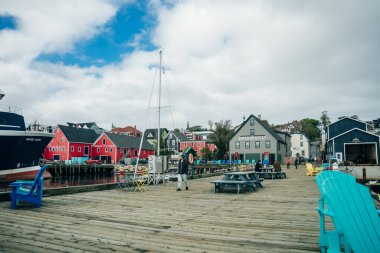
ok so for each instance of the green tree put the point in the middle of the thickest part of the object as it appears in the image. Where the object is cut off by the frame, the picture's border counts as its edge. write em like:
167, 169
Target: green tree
206, 153
310, 128
222, 132
196, 128
325, 120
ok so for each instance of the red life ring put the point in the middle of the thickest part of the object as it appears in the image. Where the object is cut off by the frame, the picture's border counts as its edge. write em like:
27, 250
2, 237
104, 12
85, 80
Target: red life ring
191, 158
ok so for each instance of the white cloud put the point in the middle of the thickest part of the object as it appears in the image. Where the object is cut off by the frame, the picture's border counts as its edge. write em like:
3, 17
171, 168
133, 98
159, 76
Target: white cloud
224, 59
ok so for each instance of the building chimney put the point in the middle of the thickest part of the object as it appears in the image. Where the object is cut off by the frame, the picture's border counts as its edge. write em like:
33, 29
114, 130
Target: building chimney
243, 118
259, 116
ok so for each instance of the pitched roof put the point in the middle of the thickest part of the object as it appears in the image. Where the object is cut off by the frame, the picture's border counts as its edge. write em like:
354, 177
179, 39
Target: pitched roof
127, 129
180, 136
351, 130
88, 124
349, 119
266, 127
126, 141
154, 132
81, 135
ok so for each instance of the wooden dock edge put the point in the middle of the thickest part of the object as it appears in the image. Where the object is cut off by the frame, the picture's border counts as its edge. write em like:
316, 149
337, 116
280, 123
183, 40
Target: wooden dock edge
5, 196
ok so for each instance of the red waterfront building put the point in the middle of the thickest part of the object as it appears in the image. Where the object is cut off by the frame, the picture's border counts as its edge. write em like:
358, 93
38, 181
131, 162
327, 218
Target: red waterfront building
128, 130
113, 147
69, 142
197, 145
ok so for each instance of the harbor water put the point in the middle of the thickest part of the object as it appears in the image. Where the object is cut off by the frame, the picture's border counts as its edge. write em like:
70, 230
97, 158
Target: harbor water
72, 180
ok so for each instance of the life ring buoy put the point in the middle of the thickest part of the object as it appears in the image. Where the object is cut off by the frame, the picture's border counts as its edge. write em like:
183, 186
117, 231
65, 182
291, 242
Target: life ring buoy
191, 158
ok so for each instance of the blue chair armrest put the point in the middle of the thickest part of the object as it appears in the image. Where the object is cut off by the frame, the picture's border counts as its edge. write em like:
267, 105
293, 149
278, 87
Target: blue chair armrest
325, 212
19, 183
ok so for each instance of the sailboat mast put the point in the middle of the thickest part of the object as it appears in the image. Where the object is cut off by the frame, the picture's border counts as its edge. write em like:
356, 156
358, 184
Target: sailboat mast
159, 106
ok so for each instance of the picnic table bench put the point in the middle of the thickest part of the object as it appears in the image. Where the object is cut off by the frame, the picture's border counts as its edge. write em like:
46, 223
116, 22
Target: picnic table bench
239, 181
269, 173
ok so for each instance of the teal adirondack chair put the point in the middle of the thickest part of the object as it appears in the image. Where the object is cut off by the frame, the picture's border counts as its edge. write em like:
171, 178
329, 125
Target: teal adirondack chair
28, 191
351, 208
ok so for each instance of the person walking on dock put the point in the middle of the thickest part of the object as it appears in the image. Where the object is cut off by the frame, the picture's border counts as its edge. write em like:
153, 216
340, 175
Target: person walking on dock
183, 169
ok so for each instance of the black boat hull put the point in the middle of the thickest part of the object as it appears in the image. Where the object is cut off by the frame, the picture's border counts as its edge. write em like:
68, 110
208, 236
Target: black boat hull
20, 152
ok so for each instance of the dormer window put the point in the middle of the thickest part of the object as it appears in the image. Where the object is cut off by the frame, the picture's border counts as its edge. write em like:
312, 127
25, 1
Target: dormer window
104, 141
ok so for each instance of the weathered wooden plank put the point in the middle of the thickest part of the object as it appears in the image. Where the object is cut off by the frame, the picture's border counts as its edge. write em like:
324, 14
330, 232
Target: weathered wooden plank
280, 217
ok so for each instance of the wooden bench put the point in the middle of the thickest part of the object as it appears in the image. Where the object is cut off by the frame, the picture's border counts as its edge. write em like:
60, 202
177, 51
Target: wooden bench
271, 175
220, 185
353, 212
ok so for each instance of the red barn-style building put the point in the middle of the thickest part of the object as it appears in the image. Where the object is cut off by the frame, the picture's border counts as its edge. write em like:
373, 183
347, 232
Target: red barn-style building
113, 147
70, 142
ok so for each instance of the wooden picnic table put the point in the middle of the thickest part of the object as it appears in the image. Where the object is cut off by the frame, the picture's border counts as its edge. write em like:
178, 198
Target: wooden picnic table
239, 180
269, 172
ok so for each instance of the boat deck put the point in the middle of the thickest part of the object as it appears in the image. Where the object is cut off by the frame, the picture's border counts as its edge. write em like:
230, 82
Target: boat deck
280, 217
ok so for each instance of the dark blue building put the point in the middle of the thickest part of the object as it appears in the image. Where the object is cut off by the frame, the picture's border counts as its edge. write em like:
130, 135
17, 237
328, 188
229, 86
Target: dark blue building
348, 140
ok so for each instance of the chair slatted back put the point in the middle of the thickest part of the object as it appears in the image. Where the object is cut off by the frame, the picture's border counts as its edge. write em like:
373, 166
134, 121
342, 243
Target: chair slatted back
355, 214
37, 179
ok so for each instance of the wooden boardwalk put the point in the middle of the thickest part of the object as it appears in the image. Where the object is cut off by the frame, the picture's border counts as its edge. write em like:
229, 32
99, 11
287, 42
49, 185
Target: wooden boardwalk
280, 217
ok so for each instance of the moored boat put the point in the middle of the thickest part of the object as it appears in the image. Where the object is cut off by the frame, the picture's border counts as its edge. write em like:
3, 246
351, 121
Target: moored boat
20, 148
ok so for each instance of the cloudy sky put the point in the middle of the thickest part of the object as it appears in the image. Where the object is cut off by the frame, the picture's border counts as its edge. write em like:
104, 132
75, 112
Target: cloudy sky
94, 60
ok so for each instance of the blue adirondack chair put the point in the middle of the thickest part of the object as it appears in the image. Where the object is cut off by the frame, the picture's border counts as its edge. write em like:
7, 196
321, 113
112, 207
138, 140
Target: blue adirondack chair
28, 191
351, 208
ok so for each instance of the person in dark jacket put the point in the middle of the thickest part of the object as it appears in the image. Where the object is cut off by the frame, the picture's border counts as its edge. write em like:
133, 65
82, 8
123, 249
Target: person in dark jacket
277, 166
183, 169
296, 162
258, 166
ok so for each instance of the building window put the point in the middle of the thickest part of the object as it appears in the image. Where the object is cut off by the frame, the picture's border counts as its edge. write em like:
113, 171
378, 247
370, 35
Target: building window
79, 149
104, 141
98, 150
267, 144
237, 144
110, 150
106, 149
301, 137
173, 142
72, 149
135, 152
185, 144
168, 143
257, 144
252, 122
199, 144
303, 152
252, 131
301, 144
247, 145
